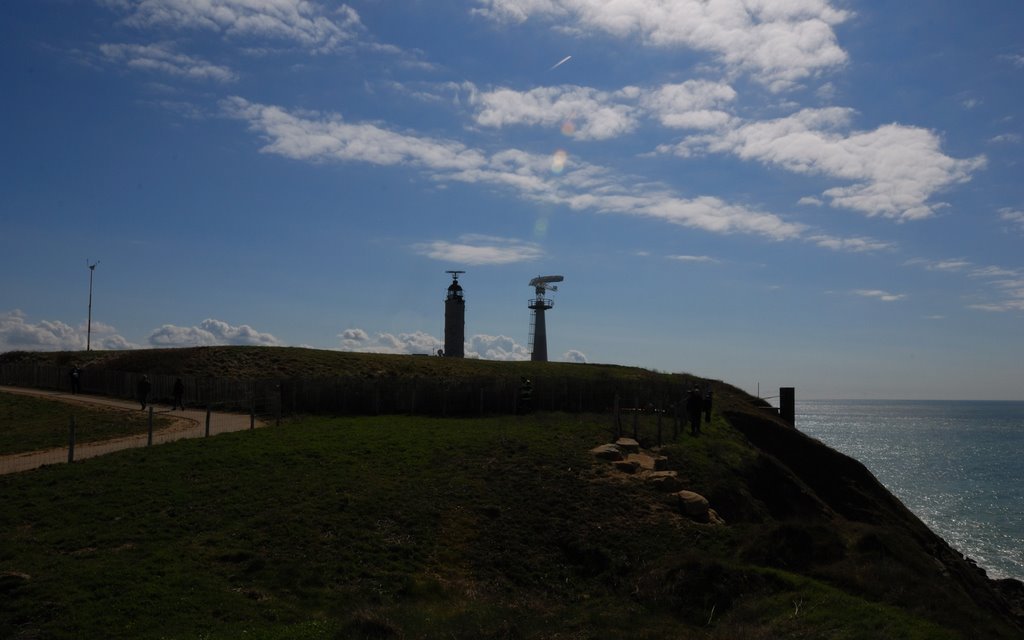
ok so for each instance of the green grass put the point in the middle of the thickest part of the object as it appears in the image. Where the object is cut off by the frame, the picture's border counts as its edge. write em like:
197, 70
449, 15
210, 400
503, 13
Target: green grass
501, 527
29, 424
400, 527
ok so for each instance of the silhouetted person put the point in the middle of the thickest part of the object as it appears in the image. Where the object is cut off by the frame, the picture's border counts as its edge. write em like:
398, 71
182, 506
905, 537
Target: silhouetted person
76, 379
707, 405
694, 404
143, 390
179, 393
525, 395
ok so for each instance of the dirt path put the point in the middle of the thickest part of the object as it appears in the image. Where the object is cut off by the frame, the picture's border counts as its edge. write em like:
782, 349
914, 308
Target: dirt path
190, 423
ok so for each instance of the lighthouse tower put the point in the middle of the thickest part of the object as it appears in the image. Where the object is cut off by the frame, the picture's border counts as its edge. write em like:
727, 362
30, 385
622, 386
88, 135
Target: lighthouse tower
454, 319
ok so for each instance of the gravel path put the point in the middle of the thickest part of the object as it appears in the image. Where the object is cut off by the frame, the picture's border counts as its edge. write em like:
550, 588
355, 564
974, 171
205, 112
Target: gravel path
188, 423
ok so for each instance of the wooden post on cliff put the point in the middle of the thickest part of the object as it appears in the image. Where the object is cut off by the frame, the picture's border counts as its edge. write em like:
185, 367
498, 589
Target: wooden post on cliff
71, 441
787, 405
636, 416
616, 421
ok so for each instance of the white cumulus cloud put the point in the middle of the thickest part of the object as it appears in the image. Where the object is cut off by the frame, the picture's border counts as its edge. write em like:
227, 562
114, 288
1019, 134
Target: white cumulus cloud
559, 180
17, 332
210, 332
895, 170
779, 42
474, 249
307, 24
878, 294
488, 347
163, 58
482, 346
584, 113
573, 355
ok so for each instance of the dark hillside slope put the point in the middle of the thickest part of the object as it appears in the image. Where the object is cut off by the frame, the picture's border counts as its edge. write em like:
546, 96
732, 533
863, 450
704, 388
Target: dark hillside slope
794, 509
890, 554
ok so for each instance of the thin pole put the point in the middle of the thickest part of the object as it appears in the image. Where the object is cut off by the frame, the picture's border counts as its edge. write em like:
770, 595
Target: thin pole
71, 441
88, 327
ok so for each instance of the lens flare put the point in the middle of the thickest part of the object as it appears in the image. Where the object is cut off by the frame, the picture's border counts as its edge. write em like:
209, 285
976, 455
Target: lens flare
540, 228
568, 128
558, 161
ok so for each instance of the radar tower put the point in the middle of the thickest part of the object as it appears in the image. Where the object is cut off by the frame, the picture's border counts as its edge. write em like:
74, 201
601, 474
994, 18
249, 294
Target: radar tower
538, 305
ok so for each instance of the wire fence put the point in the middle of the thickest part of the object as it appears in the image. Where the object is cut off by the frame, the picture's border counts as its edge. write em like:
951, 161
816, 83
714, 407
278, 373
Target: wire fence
433, 396
215, 405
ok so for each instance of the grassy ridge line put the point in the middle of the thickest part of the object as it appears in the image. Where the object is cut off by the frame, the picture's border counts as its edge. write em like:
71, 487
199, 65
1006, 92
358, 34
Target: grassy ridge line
269, 363
276, 362
399, 527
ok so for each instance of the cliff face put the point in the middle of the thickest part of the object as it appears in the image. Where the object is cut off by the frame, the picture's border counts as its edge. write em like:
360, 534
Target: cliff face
834, 520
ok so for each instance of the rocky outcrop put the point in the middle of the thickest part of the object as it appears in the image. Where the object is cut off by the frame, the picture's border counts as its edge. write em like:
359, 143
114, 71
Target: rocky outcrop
628, 459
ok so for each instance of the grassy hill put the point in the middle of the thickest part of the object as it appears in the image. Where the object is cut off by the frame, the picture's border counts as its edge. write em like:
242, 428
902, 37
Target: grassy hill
498, 527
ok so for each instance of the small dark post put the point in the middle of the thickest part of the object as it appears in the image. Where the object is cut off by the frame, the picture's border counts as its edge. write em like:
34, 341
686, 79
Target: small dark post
787, 404
617, 420
149, 439
71, 441
660, 411
252, 415
207, 421
636, 415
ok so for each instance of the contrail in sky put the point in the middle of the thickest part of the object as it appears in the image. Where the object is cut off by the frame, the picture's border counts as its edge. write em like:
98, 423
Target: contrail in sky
561, 62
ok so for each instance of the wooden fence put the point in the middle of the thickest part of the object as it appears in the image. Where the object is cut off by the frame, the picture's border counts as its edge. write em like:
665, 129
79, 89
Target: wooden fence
362, 396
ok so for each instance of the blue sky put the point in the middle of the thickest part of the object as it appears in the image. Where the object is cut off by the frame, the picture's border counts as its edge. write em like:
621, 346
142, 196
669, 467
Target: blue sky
804, 193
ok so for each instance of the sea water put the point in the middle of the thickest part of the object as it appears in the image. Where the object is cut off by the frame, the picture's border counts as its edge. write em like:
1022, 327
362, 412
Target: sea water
958, 465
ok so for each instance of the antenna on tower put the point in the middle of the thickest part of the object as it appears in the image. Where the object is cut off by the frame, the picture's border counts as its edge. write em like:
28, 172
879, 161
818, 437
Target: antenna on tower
538, 305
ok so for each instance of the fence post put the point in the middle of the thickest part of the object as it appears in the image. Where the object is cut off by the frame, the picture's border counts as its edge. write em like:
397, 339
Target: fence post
71, 441
616, 420
149, 439
207, 421
636, 417
252, 415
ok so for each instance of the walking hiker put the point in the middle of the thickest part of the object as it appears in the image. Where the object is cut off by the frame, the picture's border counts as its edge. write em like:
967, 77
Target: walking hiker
179, 393
525, 395
694, 404
76, 379
707, 404
143, 390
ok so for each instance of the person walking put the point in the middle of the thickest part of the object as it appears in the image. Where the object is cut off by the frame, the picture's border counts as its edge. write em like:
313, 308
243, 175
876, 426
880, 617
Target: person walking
76, 379
525, 395
143, 390
707, 404
179, 393
694, 404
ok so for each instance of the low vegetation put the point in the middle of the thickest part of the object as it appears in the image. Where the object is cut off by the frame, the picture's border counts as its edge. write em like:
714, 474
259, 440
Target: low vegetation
30, 424
496, 527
